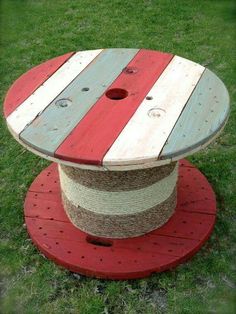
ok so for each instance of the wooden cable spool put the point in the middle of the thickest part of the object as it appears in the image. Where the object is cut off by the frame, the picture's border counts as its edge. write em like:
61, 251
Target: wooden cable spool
116, 122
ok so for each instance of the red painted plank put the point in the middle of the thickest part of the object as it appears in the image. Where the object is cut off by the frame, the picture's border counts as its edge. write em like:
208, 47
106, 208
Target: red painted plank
203, 206
26, 84
187, 225
200, 200
97, 131
52, 184
191, 176
43, 199
45, 209
97, 261
144, 244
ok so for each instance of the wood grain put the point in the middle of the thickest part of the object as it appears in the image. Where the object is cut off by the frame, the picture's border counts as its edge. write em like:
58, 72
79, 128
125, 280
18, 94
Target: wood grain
203, 116
92, 137
51, 127
145, 134
27, 83
42, 97
202, 119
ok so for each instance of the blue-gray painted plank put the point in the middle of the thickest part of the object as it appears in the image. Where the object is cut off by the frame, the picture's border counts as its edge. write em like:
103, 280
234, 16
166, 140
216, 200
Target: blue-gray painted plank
203, 116
55, 123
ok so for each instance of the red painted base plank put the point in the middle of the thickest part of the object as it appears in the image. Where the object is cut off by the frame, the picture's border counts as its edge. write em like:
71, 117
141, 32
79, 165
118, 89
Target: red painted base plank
26, 84
164, 248
97, 131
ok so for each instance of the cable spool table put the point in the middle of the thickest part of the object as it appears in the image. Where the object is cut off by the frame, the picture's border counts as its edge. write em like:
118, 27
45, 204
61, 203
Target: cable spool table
119, 201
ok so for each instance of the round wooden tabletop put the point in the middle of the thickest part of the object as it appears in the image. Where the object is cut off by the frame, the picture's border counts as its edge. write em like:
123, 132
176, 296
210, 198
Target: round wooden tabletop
116, 109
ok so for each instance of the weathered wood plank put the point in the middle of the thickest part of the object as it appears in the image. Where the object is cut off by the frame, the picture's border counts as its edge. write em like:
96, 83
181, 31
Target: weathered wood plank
203, 116
50, 129
146, 133
93, 136
27, 83
41, 98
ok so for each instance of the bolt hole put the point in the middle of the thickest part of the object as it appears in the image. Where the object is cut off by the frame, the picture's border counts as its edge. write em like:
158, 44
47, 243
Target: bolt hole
82, 256
184, 221
61, 231
130, 70
40, 228
63, 103
99, 242
69, 252
85, 89
116, 93
57, 243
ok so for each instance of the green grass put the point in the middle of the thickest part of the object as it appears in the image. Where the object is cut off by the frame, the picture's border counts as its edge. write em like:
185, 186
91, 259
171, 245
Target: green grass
33, 31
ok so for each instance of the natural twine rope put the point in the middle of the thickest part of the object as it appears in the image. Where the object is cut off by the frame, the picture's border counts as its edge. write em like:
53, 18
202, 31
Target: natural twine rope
121, 226
101, 204
118, 180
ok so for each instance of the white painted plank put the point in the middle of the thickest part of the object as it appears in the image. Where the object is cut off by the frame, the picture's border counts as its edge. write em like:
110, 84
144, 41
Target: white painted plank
41, 98
145, 134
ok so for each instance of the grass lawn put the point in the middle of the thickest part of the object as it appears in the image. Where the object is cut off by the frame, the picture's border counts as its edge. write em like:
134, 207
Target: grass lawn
36, 30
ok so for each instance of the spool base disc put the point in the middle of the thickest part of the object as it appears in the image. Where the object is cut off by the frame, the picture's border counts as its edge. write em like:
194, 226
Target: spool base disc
164, 248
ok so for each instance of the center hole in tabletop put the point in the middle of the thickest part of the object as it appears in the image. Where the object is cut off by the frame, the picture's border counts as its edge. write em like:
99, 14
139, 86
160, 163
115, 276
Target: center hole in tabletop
117, 93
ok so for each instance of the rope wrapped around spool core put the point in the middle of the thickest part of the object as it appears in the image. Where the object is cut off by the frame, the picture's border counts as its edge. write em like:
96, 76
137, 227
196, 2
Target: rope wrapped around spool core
119, 204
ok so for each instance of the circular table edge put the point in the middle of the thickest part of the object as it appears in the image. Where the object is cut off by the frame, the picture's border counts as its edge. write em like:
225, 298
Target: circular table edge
149, 162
